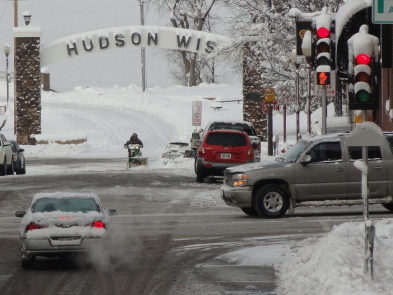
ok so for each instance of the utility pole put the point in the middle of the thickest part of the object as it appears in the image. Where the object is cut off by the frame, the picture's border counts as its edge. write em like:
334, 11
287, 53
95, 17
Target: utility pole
15, 25
143, 53
297, 102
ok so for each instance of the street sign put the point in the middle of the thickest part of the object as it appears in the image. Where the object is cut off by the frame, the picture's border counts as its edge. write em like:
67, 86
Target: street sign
196, 113
382, 11
253, 96
270, 95
265, 106
330, 89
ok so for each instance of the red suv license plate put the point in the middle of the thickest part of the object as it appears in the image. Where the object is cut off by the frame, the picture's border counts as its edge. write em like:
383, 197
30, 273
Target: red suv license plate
226, 156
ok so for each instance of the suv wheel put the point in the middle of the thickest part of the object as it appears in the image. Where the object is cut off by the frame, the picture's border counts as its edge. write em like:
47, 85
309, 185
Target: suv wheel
271, 201
10, 169
200, 176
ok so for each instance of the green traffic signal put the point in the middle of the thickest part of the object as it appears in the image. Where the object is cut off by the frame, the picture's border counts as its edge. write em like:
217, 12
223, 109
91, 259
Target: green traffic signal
363, 96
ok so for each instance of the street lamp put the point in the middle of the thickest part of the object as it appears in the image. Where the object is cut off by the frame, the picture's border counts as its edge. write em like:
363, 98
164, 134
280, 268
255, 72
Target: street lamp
7, 50
27, 17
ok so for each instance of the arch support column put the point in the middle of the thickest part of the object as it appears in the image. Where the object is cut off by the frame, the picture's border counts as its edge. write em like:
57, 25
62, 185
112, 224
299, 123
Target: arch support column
27, 92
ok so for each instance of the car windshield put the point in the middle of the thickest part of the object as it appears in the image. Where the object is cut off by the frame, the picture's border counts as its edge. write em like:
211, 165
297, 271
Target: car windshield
234, 126
226, 139
65, 205
295, 151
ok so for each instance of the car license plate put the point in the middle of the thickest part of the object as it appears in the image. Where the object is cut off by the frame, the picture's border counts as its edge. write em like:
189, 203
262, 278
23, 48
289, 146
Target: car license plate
226, 156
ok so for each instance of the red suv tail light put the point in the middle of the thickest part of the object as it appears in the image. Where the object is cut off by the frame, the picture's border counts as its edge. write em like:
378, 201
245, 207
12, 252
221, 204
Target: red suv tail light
201, 152
251, 152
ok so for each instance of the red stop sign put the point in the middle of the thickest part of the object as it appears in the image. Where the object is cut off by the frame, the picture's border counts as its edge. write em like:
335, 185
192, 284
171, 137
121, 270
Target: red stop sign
265, 106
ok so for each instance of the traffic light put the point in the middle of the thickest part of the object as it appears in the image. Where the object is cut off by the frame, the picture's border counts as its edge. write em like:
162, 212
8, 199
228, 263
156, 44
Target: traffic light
362, 97
363, 68
324, 61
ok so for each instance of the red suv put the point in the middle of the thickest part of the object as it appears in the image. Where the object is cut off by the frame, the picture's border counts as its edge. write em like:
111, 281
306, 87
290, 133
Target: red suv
222, 149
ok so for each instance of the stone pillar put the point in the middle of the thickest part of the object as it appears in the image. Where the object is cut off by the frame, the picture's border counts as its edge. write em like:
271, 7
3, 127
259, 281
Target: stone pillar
27, 84
252, 108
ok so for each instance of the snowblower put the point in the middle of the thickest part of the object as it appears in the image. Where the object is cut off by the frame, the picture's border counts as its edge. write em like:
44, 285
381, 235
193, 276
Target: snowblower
135, 156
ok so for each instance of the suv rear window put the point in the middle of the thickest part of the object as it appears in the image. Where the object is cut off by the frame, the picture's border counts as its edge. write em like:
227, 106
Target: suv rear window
226, 139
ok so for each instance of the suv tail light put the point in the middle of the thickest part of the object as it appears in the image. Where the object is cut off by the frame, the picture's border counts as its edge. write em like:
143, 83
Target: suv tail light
201, 152
251, 152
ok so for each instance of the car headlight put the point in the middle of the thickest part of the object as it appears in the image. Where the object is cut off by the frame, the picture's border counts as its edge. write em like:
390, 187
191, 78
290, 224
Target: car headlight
239, 180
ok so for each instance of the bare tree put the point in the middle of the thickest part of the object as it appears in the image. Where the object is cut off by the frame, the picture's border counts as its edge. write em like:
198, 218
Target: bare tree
195, 15
266, 26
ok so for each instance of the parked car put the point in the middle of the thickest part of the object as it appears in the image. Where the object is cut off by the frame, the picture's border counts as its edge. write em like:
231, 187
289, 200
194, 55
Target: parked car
57, 224
6, 163
18, 158
178, 149
318, 170
222, 149
244, 126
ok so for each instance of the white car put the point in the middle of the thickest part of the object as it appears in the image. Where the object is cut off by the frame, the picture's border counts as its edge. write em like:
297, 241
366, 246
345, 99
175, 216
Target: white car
176, 149
6, 163
60, 223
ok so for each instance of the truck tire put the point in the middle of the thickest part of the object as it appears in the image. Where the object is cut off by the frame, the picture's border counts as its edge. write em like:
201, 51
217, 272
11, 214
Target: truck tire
250, 211
271, 201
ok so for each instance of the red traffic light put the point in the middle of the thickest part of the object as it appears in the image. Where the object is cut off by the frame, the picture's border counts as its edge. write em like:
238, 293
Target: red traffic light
362, 59
323, 78
323, 32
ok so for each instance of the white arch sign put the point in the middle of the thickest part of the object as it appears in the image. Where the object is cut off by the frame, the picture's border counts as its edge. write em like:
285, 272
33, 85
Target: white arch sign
131, 36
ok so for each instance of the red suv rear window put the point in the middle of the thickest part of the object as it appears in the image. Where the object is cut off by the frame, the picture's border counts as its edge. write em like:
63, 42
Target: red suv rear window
226, 139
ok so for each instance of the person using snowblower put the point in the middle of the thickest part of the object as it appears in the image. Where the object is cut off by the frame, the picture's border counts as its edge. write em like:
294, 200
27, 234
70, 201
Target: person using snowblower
133, 140
134, 145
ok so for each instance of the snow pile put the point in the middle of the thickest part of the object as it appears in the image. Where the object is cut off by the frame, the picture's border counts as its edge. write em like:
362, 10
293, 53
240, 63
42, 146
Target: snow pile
329, 265
334, 263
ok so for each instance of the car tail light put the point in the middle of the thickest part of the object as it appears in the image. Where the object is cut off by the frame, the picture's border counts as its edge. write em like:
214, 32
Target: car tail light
33, 226
251, 152
98, 224
14, 158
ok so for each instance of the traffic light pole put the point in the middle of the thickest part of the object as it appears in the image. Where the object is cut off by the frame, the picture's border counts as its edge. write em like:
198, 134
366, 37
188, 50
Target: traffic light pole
270, 130
297, 102
309, 100
324, 110
369, 227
